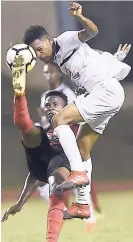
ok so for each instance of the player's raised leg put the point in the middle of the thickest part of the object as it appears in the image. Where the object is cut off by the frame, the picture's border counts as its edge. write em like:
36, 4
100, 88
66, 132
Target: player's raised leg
68, 115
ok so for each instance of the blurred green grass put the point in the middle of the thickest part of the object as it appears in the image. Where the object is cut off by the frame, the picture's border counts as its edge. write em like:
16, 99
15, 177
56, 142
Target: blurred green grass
30, 224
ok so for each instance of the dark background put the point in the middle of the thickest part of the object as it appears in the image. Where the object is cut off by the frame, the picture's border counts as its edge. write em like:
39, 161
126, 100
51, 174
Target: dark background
113, 154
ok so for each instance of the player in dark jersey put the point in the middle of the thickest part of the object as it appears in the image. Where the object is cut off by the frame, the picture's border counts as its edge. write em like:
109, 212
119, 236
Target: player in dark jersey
45, 159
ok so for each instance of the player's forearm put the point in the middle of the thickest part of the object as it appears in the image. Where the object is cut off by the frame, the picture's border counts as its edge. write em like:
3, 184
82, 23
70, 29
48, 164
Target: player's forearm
29, 187
88, 25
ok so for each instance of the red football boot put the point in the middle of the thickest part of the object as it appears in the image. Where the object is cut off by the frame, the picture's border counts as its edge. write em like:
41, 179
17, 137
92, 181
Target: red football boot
77, 211
76, 179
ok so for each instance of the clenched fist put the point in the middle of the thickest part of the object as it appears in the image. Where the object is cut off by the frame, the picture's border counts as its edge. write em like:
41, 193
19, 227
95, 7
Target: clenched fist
75, 9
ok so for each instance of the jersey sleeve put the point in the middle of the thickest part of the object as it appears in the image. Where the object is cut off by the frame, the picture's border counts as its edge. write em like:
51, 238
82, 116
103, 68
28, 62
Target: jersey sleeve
69, 38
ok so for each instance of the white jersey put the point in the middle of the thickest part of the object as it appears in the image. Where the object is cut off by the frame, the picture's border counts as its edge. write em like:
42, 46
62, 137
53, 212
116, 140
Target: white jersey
85, 66
62, 88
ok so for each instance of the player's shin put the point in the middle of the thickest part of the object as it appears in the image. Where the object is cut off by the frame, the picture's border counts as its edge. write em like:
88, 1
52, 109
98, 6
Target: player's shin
55, 217
83, 207
21, 114
78, 176
82, 193
55, 213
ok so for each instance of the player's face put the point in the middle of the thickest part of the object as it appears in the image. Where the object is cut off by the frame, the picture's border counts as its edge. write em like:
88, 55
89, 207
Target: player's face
52, 74
53, 105
43, 48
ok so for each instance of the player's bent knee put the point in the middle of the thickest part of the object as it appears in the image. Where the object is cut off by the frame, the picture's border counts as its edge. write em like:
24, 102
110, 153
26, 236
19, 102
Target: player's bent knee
58, 120
57, 177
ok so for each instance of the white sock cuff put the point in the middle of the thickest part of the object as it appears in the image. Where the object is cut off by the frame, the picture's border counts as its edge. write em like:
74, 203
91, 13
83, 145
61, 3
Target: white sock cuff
87, 165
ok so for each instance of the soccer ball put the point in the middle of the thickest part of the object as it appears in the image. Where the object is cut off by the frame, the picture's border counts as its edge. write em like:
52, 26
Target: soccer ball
26, 51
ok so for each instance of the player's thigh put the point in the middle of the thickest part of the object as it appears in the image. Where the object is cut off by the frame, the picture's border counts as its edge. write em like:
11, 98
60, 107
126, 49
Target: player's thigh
86, 138
59, 168
67, 115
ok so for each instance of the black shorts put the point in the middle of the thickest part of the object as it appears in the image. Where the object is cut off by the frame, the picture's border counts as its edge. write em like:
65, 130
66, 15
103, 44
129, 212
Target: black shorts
43, 160
58, 160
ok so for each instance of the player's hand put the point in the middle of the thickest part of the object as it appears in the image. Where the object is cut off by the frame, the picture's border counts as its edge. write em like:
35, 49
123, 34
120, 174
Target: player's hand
122, 51
12, 210
125, 48
75, 9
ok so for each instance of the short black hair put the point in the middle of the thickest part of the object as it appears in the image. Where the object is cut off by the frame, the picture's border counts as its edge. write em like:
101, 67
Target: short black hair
57, 93
33, 33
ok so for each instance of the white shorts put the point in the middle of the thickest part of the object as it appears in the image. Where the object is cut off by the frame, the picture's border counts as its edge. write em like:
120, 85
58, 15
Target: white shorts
104, 101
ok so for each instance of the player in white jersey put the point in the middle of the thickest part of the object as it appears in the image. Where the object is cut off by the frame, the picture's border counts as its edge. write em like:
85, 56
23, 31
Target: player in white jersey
53, 75
54, 78
98, 73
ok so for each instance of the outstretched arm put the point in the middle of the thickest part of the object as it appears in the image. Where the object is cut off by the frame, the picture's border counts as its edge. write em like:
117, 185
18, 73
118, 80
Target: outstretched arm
29, 187
31, 183
90, 29
121, 53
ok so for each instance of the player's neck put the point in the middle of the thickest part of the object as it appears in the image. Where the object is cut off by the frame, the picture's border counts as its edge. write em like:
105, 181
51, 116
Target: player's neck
55, 85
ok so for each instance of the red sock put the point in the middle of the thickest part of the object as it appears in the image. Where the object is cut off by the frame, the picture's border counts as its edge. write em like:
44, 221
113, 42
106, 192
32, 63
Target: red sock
55, 217
21, 114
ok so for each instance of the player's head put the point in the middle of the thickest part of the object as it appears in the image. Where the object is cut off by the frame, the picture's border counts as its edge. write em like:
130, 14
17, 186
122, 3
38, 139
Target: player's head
55, 101
52, 74
41, 42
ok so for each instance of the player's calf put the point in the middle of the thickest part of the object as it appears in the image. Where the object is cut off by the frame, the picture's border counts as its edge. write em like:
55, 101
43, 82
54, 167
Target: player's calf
56, 205
83, 207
